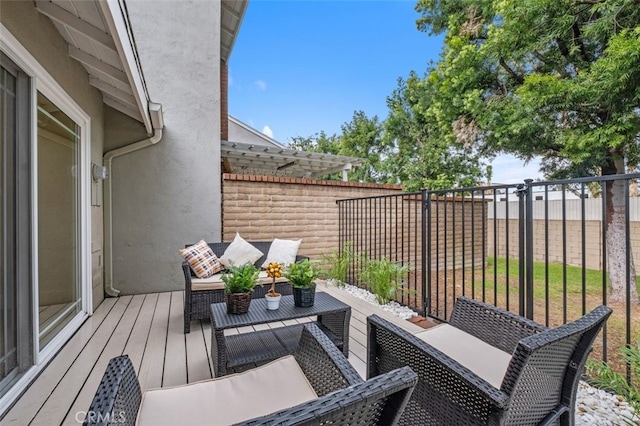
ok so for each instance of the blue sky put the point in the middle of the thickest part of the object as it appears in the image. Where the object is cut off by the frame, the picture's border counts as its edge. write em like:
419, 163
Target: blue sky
304, 66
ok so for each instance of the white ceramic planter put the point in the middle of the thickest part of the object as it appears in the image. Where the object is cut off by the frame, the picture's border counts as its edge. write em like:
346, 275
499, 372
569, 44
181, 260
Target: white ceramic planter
273, 303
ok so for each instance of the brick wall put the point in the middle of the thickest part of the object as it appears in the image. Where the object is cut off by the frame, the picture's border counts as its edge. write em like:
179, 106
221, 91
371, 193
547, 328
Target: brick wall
262, 208
224, 101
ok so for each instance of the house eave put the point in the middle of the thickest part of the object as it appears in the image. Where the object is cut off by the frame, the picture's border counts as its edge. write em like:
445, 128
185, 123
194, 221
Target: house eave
99, 36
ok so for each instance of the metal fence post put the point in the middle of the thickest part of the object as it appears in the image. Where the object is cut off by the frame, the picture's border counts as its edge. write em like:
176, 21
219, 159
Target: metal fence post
528, 196
426, 253
520, 192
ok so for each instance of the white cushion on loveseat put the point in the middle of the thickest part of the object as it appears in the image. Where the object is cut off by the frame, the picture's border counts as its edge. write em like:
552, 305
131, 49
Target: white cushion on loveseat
215, 282
229, 399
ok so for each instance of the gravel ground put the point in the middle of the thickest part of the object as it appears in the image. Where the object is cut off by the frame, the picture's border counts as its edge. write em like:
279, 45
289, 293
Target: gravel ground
593, 407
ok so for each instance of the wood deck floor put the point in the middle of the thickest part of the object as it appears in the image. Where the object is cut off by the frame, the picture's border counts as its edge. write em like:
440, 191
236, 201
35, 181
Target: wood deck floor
147, 327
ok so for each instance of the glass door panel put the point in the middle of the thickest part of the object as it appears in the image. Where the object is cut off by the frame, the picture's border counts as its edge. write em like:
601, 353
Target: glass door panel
8, 319
59, 290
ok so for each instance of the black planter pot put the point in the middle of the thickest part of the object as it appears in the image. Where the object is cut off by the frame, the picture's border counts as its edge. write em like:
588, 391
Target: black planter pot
304, 297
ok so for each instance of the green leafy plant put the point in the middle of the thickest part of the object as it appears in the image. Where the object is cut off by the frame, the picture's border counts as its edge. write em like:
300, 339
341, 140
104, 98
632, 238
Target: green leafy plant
301, 274
336, 264
604, 377
240, 279
383, 278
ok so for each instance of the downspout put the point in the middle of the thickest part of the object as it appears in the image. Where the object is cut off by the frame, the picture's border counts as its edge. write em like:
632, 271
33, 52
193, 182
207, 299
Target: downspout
155, 111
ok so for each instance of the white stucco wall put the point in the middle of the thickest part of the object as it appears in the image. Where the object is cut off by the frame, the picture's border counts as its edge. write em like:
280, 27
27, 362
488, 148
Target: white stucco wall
169, 194
37, 34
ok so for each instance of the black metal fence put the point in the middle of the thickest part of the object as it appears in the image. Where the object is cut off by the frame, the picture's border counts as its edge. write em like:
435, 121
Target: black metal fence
550, 251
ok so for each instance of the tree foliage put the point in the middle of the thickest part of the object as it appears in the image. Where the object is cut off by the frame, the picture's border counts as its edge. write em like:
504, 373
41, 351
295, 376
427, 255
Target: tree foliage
362, 138
427, 153
559, 79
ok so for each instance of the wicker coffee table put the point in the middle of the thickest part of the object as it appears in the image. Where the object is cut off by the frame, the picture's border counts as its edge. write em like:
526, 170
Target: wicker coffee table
235, 353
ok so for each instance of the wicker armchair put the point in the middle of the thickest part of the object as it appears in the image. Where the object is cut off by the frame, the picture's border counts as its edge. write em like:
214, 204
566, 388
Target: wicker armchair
197, 303
538, 387
343, 398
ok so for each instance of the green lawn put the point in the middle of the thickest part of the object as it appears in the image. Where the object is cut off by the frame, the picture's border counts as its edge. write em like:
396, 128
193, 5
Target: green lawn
593, 279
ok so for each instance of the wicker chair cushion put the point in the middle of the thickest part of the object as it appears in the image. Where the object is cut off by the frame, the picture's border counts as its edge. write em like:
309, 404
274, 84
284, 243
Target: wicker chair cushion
202, 259
240, 252
215, 282
282, 251
486, 361
272, 387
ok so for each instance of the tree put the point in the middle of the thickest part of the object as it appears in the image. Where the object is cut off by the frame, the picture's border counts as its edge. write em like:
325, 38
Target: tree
319, 142
361, 138
427, 154
559, 79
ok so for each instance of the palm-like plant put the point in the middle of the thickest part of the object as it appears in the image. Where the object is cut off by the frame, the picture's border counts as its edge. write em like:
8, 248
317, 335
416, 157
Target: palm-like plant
383, 277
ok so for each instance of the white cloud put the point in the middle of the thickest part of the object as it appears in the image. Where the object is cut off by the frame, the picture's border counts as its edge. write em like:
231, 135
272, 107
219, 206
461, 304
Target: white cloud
262, 85
267, 131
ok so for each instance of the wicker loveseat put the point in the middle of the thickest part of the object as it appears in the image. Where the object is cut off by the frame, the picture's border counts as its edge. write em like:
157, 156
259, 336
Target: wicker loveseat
199, 294
333, 393
528, 374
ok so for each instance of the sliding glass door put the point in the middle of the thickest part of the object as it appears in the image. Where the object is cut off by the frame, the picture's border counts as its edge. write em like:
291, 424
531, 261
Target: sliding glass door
45, 278
59, 286
16, 301
8, 317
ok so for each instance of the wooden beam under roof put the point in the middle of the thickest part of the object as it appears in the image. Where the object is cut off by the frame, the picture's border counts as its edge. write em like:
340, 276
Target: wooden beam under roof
95, 63
119, 106
230, 10
121, 95
64, 17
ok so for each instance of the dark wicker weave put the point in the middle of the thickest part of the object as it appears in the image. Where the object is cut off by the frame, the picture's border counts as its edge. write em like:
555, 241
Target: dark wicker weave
118, 396
238, 303
304, 297
196, 303
344, 398
539, 386
235, 353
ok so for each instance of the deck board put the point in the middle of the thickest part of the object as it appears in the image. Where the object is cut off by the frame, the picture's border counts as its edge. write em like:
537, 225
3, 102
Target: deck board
26, 408
175, 360
150, 373
56, 406
137, 341
198, 367
149, 328
115, 347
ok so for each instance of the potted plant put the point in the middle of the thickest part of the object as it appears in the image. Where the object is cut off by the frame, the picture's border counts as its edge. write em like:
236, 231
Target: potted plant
238, 284
274, 270
383, 277
301, 276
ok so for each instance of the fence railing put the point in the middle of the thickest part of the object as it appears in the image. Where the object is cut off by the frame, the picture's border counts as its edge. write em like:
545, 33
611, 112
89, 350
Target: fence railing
550, 251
